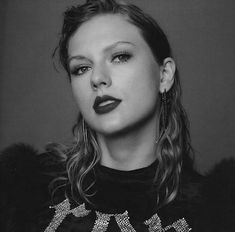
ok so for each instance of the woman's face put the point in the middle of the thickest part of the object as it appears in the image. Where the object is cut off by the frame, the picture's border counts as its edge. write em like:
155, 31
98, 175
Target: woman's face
114, 76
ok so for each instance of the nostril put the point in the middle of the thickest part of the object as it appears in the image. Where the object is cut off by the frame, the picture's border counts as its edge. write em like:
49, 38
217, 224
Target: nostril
97, 85
103, 83
100, 79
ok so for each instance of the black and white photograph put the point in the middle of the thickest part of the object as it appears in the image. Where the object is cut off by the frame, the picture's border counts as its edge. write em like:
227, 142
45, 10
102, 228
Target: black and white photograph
117, 116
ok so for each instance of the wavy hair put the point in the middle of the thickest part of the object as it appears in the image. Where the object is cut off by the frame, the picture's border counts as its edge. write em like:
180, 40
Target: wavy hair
174, 146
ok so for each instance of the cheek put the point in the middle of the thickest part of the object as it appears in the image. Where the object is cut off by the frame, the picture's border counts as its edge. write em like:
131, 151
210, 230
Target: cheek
151, 80
141, 81
147, 88
81, 94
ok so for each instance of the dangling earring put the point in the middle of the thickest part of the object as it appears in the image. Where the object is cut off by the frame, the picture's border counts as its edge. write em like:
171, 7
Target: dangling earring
164, 109
85, 134
163, 115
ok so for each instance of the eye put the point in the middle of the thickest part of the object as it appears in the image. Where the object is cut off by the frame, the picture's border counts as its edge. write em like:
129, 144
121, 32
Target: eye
78, 71
122, 57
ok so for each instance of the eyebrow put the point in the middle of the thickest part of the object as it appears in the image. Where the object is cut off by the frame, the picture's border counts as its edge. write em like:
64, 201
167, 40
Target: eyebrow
109, 47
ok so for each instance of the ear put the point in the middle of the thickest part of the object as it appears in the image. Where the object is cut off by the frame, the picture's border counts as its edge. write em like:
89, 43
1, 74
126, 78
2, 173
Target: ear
167, 72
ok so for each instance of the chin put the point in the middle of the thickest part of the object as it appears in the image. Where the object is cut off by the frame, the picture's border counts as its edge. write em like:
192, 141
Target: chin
116, 129
109, 129
111, 126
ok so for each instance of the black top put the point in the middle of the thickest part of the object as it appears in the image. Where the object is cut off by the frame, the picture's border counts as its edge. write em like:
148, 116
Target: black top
124, 192
118, 191
124, 200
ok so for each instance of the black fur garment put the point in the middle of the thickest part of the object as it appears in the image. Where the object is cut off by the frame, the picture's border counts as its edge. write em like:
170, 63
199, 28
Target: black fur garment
24, 178
25, 175
217, 213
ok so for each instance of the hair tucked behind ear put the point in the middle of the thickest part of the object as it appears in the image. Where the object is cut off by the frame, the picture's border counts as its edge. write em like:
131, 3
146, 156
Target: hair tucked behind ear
174, 146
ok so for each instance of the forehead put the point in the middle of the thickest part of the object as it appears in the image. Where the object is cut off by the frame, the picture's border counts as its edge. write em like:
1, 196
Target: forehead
102, 30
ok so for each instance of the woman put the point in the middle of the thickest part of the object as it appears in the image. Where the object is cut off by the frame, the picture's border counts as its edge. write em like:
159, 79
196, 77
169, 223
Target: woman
132, 126
130, 168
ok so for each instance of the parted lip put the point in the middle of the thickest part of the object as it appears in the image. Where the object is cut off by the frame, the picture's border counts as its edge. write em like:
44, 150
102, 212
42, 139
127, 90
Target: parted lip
99, 100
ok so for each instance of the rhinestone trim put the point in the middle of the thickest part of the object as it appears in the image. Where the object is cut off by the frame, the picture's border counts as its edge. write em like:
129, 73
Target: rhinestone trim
154, 224
123, 222
179, 226
103, 219
101, 223
61, 211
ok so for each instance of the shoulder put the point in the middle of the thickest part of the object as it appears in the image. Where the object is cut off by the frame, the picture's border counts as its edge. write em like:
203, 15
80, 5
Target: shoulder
24, 167
19, 169
24, 177
217, 208
207, 201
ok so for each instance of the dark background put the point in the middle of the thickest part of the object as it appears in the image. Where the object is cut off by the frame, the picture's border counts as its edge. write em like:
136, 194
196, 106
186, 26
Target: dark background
36, 104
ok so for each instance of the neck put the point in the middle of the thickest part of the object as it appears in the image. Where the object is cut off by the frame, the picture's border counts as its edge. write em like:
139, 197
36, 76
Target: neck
130, 150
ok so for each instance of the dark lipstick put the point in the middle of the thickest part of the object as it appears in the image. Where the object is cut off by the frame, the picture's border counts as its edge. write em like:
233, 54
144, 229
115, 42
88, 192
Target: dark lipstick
112, 103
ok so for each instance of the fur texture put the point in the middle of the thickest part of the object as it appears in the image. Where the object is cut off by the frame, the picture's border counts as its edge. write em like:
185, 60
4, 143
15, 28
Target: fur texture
23, 188
217, 211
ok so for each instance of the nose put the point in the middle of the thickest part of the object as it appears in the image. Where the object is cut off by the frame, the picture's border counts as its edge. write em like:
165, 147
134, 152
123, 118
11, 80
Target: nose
100, 77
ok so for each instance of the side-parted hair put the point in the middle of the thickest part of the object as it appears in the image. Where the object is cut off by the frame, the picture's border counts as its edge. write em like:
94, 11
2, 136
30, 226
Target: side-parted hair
174, 145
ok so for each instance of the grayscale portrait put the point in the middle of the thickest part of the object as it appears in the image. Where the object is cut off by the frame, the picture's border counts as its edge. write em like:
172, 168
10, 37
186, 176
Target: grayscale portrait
117, 115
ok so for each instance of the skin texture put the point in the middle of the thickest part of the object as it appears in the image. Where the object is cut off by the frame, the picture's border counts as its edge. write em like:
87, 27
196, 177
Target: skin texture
108, 56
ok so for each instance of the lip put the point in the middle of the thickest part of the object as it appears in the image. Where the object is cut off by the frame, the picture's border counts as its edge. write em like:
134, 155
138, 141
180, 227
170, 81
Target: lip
103, 109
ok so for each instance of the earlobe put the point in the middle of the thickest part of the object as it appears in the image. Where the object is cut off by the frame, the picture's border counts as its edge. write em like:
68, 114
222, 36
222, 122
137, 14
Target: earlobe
167, 73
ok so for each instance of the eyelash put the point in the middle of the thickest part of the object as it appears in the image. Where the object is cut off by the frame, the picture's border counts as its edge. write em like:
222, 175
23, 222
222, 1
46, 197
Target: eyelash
75, 71
123, 57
